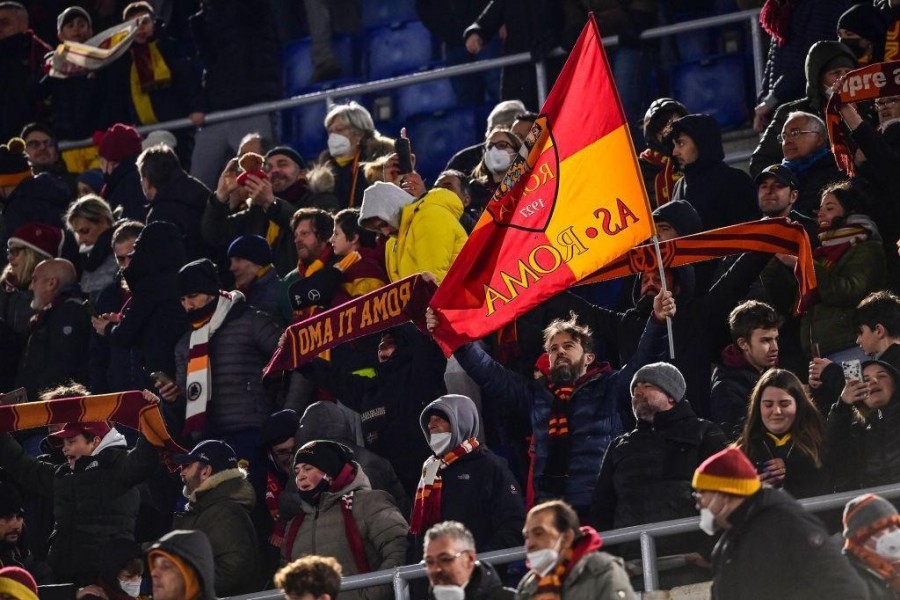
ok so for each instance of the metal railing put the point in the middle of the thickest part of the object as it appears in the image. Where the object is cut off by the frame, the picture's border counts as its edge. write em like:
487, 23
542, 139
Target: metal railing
750, 16
645, 534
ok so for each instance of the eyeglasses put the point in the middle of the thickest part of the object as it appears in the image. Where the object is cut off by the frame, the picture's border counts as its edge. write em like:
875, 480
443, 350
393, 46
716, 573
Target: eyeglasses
443, 561
884, 102
793, 133
35, 144
501, 144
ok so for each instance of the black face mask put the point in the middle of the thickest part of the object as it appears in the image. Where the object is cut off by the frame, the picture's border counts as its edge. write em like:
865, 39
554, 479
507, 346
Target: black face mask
856, 47
312, 496
199, 314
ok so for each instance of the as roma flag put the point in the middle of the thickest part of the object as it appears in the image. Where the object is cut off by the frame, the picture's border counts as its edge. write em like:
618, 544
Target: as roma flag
571, 202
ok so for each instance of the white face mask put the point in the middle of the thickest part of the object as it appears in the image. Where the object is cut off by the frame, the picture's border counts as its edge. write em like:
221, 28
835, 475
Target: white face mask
85, 249
888, 545
439, 442
448, 592
543, 561
497, 160
707, 521
338, 145
132, 588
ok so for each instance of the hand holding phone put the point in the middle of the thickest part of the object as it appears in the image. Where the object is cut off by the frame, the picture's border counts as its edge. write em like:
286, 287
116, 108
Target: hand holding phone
852, 369
403, 148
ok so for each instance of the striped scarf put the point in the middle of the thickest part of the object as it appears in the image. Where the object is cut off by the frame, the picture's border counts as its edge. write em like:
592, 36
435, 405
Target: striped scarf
199, 371
149, 73
427, 507
550, 585
666, 177
835, 242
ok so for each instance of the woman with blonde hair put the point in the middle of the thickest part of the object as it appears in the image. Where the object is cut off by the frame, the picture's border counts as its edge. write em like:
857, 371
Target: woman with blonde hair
783, 435
91, 219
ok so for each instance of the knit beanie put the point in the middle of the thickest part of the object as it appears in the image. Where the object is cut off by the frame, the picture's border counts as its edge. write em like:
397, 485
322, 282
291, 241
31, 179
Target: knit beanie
14, 167
325, 455
198, 277
681, 215
45, 239
69, 15
10, 499
18, 583
290, 153
865, 516
160, 136
279, 427
727, 471
93, 178
663, 375
120, 142
254, 248
866, 21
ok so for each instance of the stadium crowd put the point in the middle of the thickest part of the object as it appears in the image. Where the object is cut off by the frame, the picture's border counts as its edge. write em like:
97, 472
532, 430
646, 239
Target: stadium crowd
174, 263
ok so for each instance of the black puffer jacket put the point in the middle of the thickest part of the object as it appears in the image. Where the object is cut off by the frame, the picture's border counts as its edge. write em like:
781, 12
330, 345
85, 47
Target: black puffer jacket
38, 199
732, 381
484, 584
182, 201
93, 504
238, 351
646, 473
722, 195
153, 320
123, 188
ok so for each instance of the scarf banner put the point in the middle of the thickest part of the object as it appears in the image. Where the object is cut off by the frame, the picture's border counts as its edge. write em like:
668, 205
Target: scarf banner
71, 59
130, 409
386, 307
879, 80
572, 201
776, 236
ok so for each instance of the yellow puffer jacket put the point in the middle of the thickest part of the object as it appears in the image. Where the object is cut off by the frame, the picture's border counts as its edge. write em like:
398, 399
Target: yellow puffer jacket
429, 237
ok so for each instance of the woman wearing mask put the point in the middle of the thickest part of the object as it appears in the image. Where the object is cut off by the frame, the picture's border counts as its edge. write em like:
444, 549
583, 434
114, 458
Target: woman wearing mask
340, 515
783, 435
352, 142
500, 148
90, 218
122, 574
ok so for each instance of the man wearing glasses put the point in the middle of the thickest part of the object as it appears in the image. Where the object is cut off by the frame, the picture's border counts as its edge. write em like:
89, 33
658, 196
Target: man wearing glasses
43, 155
453, 569
804, 144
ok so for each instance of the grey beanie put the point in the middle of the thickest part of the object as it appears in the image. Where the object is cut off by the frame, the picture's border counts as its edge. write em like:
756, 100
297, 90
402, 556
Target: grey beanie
663, 375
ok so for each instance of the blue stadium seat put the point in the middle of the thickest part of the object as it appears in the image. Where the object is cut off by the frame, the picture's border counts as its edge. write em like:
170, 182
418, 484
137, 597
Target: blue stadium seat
397, 49
438, 136
377, 13
427, 97
717, 86
298, 67
303, 127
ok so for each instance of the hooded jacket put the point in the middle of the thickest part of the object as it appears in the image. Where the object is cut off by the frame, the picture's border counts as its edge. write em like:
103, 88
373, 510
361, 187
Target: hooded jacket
220, 508
93, 504
153, 320
478, 489
194, 548
123, 188
768, 152
381, 526
708, 177
429, 237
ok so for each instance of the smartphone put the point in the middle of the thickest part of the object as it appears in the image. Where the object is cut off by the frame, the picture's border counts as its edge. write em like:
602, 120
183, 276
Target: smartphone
160, 378
852, 369
404, 154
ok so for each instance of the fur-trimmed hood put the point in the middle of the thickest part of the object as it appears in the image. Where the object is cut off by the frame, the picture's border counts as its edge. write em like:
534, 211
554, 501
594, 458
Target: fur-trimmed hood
220, 484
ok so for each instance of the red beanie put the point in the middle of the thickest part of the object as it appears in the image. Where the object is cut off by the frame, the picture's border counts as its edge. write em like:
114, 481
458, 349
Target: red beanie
120, 142
45, 239
727, 471
18, 583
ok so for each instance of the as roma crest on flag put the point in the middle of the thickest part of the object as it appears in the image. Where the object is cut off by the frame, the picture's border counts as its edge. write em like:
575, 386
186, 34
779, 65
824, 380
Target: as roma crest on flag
572, 201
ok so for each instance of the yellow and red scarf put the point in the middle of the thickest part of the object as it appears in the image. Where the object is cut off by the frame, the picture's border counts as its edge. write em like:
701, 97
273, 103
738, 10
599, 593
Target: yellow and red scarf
427, 507
149, 73
666, 177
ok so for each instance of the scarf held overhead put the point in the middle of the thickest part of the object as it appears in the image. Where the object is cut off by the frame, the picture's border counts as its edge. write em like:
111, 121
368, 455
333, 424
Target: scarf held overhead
386, 307
879, 80
130, 409
775, 236
427, 507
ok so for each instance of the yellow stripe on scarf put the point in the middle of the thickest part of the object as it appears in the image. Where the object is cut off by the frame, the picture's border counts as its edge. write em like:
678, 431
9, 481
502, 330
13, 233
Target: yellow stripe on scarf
272, 232
141, 99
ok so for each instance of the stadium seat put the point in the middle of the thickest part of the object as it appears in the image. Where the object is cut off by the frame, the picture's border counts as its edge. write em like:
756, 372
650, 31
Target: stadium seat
378, 14
438, 136
428, 97
717, 86
397, 49
303, 127
298, 67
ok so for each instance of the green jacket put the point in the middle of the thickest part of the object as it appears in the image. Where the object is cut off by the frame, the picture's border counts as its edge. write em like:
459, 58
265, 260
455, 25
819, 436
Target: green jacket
597, 576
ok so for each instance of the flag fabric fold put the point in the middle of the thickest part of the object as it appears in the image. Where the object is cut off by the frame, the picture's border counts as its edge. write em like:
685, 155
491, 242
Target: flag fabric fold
388, 306
572, 201
72, 59
130, 409
776, 236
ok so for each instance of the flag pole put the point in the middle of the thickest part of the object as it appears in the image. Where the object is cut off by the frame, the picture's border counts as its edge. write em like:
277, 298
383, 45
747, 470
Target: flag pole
662, 281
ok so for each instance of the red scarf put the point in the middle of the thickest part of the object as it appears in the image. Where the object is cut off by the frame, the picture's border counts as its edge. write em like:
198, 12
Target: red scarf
666, 177
427, 507
151, 76
775, 19
550, 585
351, 529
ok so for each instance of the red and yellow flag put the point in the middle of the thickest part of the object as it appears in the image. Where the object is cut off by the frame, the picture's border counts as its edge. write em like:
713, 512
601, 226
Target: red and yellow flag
572, 201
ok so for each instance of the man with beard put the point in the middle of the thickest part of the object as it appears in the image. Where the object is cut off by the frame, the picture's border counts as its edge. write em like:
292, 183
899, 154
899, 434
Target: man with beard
576, 404
777, 191
754, 330
12, 518
219, 502
312, 229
